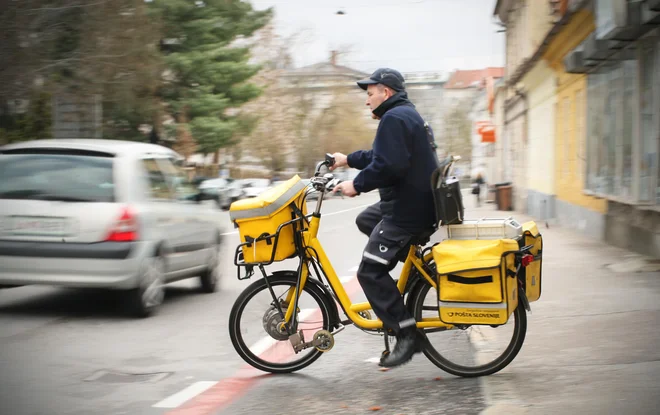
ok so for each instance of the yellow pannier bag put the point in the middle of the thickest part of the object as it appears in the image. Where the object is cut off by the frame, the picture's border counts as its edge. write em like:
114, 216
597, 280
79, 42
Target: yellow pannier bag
532, 273
261, 216
474, 286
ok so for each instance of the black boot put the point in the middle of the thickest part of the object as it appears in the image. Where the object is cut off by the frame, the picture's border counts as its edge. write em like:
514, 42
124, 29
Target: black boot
406, 346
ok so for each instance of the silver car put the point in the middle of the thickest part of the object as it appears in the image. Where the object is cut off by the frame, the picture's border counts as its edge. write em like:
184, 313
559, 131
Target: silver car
103, 214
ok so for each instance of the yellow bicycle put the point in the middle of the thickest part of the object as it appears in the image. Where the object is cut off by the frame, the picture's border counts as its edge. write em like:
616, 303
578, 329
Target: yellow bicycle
296, 315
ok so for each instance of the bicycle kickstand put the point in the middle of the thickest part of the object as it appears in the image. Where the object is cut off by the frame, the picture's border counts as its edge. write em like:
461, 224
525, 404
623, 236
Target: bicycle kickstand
386, 336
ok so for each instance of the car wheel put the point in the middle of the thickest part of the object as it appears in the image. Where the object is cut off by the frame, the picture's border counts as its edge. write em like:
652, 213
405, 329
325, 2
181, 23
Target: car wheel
209, 279
146, 298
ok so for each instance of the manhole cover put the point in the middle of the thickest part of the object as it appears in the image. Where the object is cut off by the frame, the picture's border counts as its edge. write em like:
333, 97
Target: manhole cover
108, 376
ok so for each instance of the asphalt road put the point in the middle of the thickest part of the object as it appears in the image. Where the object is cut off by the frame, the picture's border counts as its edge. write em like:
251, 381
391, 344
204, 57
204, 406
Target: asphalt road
591, 347
65, 351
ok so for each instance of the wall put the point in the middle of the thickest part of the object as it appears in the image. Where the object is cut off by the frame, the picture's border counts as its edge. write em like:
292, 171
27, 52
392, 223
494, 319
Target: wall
500, 136
540, 84
515, 157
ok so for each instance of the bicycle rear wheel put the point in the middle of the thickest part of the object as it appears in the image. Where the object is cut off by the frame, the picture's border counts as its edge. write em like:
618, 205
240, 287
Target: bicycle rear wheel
254, 322
469, 351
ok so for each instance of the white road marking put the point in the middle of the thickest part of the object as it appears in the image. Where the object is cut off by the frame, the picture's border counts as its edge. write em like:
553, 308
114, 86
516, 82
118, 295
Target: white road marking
346, 210
373, 360
260, 347
323, 215
185, 395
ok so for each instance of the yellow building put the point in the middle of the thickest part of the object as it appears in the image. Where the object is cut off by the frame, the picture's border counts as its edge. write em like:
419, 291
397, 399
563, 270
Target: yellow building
527, 129
597, 127
574, 208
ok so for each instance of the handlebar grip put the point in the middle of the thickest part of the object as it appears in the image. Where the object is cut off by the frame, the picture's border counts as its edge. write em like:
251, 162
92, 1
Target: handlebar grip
329, 159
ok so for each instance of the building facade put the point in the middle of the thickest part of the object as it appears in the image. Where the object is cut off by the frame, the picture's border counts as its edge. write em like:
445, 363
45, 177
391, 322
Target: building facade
603, 57
528, 94
575, 207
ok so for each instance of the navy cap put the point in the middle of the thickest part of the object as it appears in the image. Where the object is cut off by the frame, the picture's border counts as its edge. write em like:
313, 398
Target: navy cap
386, 76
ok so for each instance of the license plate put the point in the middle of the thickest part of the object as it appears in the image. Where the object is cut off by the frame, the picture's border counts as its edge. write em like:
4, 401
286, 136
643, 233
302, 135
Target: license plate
39, 226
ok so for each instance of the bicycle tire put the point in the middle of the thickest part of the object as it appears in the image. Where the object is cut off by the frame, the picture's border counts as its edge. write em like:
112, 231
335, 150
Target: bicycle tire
253, 289
499, 363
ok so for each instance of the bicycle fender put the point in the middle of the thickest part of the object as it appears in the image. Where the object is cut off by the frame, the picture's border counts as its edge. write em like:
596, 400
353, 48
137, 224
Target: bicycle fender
414, 284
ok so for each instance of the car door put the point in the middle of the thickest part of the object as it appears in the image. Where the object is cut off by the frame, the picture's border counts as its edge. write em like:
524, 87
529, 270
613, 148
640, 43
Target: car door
196, 233
167, 220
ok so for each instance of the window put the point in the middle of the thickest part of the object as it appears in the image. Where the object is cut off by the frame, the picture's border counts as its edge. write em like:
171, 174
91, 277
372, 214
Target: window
648, 123
157, 182
628, 132
57, 176
610, 132
596, 84
176, 177
656, 93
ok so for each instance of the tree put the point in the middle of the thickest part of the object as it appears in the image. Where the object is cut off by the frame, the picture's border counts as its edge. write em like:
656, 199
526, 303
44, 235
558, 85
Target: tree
343, 126
276, 113
457, 136
80, 48
207, 73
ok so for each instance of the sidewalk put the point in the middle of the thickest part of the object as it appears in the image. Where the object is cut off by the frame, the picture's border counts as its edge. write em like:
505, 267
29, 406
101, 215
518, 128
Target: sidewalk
592, 338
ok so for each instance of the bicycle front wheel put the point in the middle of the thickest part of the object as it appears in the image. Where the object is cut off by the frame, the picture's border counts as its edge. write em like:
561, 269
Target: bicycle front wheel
254, 324
470, 351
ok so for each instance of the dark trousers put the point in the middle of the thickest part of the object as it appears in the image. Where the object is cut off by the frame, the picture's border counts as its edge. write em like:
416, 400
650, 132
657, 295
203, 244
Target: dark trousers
387, 245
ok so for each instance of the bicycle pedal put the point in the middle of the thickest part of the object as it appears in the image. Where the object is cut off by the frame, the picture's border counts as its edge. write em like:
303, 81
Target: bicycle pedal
339, 329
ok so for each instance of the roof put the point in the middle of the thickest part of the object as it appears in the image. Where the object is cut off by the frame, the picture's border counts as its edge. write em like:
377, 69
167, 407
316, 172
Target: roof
472, 78
116, 147
326, 69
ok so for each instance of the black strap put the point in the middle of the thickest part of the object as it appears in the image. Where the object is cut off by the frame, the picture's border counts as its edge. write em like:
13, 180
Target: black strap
469, 280
298, 212
434, 146
263, 237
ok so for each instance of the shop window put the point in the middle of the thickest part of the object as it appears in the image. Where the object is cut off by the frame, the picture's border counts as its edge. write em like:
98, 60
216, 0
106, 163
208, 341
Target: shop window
610, 133
596, 126
629, 70
656, 101
648, 170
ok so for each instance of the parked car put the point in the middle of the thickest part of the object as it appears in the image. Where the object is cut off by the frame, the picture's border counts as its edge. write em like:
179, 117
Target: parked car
253, 187
104, 214
223, 191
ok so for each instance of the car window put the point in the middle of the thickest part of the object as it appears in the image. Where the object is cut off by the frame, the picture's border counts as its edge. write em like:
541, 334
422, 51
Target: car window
57, 176
176, 177
157, 181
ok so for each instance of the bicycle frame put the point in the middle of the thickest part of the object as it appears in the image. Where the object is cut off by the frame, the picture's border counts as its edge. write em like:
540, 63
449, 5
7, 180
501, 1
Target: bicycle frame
352, 309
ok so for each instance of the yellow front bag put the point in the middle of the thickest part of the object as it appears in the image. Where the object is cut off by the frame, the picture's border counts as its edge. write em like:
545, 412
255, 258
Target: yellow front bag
474, 286
261, 216
532, 236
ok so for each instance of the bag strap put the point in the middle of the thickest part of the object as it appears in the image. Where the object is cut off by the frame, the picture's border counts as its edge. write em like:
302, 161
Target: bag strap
434, 146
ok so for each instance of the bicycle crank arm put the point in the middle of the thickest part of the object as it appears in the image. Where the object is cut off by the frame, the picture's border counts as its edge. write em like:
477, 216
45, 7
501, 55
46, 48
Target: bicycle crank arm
323, 341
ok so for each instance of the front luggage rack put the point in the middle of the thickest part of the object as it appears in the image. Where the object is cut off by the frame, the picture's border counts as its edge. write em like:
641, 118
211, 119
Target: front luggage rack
239, 258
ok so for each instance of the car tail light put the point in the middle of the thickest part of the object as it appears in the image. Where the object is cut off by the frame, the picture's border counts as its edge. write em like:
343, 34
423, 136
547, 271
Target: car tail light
125, 229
